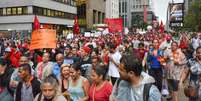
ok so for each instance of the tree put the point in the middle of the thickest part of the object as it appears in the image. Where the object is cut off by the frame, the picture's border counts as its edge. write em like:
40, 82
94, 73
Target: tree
192, 20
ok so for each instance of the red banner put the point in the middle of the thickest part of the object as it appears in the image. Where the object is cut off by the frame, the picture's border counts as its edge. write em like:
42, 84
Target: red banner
115, 25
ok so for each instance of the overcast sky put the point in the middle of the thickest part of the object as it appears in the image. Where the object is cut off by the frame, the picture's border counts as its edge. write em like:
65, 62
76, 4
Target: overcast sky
160, 8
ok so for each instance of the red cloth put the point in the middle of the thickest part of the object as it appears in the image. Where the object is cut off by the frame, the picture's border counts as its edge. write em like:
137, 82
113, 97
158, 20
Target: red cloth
140, 53
14, 61
183, 43
36, 23
101, 94
106, 59
161, 27
76, 26
15, 57
114, 25
86, 49
39, 59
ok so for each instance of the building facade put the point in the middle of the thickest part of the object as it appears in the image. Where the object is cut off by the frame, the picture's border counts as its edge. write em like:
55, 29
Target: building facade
19, 15
90, 12
112, 8
132, 11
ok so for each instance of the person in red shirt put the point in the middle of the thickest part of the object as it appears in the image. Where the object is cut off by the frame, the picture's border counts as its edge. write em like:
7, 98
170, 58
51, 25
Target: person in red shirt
140, 52
100, 89
9, 56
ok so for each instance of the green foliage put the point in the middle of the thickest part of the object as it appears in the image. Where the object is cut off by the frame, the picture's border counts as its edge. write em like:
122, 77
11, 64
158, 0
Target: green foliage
192, 21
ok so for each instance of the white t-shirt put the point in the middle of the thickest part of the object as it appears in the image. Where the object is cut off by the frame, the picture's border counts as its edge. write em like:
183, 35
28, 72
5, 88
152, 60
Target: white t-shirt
195, 43
165, 44
135, 43
113, 69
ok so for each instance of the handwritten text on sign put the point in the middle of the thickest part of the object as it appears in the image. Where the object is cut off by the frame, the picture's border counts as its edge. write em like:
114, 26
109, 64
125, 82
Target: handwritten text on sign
43, 38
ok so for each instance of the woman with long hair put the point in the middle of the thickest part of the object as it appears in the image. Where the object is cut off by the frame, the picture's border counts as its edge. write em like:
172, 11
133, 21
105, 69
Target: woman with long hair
78, 85
100, 89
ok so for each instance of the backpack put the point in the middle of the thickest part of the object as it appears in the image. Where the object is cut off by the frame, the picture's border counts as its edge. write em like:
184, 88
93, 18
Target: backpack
146, 90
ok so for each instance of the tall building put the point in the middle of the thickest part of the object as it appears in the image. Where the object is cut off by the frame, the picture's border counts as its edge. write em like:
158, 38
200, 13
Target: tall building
90, 12
125, 11
19, 15
132, 11
112, 8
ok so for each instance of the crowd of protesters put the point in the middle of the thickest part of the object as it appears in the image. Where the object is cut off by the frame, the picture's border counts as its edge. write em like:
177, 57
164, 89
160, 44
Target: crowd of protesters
111, 67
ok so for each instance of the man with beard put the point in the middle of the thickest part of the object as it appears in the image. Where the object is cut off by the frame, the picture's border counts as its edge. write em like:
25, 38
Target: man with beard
134, 84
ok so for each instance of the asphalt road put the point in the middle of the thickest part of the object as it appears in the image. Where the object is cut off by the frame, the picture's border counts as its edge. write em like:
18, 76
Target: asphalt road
182, 97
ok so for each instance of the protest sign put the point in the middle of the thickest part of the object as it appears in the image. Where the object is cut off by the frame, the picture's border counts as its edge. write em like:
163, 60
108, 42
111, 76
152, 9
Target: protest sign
43, 38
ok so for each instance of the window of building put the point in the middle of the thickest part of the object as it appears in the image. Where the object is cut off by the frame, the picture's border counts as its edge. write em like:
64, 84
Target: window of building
45, 12
124, 20
56, 13
51, 13
103, 17
40, 11
94, 16
68, 2
72, 2
119, 7
14, 11
65, 1
123, 7
1, 11
8, 11
60, 14
48, 12
25, 10
99, 17
19, 10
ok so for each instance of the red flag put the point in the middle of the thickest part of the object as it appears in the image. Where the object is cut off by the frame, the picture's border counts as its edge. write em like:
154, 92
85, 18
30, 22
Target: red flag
36, 23
115, 25
76, 26
161, 27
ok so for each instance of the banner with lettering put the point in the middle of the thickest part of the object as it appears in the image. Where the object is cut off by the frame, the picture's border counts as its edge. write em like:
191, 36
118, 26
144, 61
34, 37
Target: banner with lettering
114, 25
43, 38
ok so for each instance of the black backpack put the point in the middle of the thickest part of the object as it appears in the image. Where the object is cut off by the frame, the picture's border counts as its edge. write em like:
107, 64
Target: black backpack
146, 91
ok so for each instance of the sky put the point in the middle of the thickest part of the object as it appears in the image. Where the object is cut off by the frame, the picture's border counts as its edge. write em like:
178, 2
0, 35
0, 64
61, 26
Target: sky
160, 8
